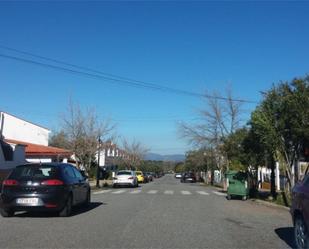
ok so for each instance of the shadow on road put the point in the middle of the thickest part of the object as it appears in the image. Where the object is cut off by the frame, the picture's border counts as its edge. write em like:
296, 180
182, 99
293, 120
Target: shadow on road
286, 234
76, 211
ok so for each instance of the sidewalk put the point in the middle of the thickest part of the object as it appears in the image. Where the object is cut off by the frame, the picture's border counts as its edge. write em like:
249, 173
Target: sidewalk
93, 183
263, 195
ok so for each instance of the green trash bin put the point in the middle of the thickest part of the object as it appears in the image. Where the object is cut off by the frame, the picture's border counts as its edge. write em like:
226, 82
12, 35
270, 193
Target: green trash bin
237, 184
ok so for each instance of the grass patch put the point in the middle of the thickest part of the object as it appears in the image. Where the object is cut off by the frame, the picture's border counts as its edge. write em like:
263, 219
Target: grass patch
283, 199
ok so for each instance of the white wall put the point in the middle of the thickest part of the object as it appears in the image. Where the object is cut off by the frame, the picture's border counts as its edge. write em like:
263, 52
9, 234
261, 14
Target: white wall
21, 130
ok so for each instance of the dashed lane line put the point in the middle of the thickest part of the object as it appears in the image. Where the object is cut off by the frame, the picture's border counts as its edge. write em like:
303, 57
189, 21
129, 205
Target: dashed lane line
152, 192
102, 192
168, 192
219, 193
119, 192
135, 192
202, 192
184, 192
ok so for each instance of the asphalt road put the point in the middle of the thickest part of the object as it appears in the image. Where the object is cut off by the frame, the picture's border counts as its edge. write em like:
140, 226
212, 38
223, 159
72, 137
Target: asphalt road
161, 214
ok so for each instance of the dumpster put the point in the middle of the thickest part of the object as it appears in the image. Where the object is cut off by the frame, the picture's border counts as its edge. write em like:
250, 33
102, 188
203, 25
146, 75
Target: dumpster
237, 184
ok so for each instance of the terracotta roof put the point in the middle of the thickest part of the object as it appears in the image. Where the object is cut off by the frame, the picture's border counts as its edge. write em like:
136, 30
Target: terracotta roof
41, 150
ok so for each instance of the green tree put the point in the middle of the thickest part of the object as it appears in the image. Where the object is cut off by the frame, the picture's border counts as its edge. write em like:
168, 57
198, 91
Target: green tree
235, 150
281, 122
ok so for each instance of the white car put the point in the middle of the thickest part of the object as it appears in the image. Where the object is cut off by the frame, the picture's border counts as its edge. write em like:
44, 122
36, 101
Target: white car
178, 175
125, 178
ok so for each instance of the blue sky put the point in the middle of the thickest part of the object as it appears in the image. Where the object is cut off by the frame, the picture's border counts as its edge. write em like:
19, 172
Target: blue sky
194, 46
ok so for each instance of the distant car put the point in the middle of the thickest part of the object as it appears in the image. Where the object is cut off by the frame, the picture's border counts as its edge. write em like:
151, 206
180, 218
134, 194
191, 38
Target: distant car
300, 213
146, 179
140, 176
178, 175
55, 187
149, 176
125, 178
188, 177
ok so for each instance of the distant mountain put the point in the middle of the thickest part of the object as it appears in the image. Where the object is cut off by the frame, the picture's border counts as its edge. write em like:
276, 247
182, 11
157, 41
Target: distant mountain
158, 157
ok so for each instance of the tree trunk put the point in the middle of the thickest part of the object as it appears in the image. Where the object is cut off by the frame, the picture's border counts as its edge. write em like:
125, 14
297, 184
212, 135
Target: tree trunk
272, 178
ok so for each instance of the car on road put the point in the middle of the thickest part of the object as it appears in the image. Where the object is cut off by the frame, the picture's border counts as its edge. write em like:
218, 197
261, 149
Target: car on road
188, 177
300, 212
55, 187
125, 178
178, 175
140, 176
149, 176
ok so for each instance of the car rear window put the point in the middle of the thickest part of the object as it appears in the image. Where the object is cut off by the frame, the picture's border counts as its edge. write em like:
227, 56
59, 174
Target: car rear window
124, 173
34, 171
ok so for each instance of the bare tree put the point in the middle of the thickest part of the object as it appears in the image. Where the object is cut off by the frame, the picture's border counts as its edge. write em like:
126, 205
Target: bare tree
134, 153
219, 119
82, 130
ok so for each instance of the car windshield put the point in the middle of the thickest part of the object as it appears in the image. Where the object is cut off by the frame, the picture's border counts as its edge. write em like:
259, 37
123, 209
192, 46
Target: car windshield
124, 173
34, 171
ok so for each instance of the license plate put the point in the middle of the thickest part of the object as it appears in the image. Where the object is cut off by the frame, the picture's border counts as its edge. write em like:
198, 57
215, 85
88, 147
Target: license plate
189, 179
31, 201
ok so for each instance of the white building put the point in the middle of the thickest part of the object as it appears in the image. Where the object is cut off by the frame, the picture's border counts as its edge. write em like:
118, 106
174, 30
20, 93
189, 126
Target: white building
14, 130
18, 129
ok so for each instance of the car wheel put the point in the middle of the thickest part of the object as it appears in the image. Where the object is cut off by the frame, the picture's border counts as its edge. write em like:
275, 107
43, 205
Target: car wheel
114, 186
300, 233
229, 197
244, 198
6, 212
67, 210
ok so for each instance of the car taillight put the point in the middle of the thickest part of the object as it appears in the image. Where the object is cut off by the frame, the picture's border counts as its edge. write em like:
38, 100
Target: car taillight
52, 182
10, 182
50, 205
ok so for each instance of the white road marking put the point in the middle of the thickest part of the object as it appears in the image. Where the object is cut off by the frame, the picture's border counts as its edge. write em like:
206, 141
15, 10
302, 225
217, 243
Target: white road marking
119, 192
219, 193
152, 192
136, 191
168, 192
102, 192
202, 193
184, 192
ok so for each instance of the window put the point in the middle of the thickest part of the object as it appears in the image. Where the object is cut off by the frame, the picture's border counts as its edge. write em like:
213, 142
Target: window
77, 173
124, 173
35, 171
68, 171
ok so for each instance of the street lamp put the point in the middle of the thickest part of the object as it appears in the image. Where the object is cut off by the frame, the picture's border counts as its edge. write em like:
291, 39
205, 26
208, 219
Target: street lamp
98, 165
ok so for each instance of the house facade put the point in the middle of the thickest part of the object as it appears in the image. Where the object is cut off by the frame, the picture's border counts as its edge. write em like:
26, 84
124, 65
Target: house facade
34, 138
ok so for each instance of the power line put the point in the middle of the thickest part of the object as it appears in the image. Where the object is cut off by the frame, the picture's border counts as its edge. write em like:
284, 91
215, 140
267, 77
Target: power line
105, 76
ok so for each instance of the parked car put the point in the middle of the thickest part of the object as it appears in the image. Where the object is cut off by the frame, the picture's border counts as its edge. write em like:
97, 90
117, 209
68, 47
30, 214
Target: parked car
300, 213
53, 187
125, 178
140, 176
178, 175
149, 176
146, 179
188, 177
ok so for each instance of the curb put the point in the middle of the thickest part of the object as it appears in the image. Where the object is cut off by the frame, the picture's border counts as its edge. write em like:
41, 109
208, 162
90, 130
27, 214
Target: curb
261, 202
269, 204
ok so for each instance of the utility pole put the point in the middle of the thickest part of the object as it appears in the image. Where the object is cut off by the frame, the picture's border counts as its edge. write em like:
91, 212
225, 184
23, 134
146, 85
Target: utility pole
98, 165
